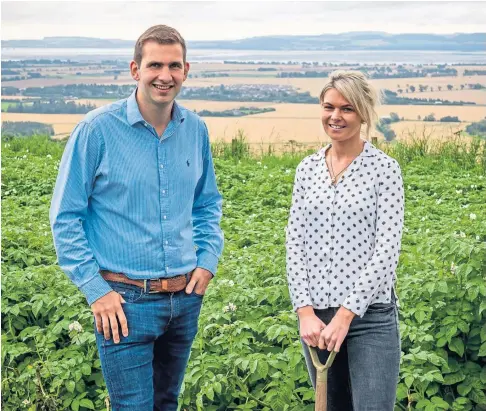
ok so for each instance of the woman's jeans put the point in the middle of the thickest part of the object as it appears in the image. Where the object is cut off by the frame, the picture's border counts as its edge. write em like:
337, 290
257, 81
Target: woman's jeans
364, 375
144, 371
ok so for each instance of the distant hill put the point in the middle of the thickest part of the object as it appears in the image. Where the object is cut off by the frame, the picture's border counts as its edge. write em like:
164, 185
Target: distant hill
344, 41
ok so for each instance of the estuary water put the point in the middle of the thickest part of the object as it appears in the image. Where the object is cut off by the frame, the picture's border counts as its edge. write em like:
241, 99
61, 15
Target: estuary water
219, 55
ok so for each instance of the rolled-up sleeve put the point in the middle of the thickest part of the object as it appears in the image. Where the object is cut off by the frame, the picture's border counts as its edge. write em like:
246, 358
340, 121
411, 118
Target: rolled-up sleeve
296, 259
389, 225
77, 174
207, 212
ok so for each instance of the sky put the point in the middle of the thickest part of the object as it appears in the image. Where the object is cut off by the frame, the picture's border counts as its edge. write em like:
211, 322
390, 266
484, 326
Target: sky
229, 20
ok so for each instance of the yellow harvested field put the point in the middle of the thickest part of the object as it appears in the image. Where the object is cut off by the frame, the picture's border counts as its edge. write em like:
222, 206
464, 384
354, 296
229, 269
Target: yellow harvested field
221, 105
206, 66
461, 69
63, 123
392, 84
313, 111
260, 130
43, 82
286, 110
14, 97
314, 85
475, 96
191, 104
434, 129
465, 113
98, 102
299, 122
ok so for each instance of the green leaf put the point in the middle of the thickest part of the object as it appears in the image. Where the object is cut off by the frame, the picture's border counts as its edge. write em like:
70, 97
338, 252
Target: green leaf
457, 345
37, 306
432, 389
422, 404
451, 379
472, 293
244, 364
86, 403
217, 387
464, 388
75, 405
262, 369
482, 306
15, 310
210, 393
478, 396
402, 391
419, 316
70, 385
409, 381
253, 366
482, 350
86, 369
482, 334
482, 376
442, 287
440, 402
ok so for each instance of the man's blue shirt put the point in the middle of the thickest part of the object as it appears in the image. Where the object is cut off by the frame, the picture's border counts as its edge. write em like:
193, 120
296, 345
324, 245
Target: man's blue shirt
128, 201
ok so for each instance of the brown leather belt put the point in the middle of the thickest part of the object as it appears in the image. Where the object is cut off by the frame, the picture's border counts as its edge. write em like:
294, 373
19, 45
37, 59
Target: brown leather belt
158, 285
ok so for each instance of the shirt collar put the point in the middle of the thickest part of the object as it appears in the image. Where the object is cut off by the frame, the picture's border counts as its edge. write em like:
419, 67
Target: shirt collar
369, 150
134, 116
133, 113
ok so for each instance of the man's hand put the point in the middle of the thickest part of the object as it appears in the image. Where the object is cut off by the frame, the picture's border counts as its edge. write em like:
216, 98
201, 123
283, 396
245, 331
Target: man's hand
310, 325
334, 334
200, 279
108, 313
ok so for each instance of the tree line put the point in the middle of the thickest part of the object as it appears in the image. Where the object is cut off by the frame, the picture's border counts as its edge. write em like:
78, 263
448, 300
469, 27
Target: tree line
235, 112
11, 129
50, 107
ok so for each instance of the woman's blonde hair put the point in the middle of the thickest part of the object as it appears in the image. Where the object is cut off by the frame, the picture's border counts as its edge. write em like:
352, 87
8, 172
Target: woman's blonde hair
355, 87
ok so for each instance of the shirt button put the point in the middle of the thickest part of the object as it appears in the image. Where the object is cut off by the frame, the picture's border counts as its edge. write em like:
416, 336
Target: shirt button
161, 166
146, 125
166, 242
165, 217
163, 191
167, 268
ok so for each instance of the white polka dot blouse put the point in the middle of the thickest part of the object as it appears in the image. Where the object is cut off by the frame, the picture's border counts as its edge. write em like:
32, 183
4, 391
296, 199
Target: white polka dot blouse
343, 240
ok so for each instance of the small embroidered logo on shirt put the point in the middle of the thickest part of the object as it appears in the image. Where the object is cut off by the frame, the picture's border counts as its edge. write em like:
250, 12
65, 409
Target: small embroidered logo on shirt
188, 164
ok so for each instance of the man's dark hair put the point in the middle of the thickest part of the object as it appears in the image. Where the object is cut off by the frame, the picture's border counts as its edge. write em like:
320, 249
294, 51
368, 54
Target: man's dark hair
161, 34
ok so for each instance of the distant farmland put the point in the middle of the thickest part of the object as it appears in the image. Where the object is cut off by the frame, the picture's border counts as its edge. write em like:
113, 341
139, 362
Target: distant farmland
296, 122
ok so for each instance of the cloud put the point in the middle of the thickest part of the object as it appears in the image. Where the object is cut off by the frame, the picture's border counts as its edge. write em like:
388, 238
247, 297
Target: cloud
232, 20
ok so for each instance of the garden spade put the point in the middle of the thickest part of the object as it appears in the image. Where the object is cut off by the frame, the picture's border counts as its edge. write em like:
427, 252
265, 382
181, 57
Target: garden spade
321, 378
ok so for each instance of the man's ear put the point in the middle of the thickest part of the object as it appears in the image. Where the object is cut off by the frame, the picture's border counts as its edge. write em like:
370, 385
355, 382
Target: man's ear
134, 70
187, 66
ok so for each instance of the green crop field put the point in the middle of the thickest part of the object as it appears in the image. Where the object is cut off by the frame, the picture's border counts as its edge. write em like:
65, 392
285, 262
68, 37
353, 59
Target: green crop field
5, 105
247, 354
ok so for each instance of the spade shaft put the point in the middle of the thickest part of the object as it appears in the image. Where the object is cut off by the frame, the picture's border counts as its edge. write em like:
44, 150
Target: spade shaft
321, 377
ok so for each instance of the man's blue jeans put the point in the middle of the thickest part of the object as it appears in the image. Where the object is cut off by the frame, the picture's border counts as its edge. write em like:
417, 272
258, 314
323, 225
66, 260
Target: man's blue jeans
144, 371
364, 375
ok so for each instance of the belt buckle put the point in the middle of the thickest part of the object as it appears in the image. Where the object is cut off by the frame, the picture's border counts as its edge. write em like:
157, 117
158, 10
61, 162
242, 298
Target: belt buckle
162, 281
149, 282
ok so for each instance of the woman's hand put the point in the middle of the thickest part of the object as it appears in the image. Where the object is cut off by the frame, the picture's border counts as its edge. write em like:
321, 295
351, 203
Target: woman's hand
310, 326
332, 337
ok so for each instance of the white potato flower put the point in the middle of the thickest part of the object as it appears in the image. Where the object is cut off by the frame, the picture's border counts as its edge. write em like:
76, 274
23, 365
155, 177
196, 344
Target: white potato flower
75, 326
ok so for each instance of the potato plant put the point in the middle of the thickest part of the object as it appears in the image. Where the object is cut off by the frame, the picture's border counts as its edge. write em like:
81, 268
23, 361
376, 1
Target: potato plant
247, 354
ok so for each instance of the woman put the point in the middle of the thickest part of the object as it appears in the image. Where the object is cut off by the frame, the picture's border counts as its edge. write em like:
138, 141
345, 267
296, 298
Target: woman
343, 243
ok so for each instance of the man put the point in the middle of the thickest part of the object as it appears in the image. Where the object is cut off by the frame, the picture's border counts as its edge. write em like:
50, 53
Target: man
135, 217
